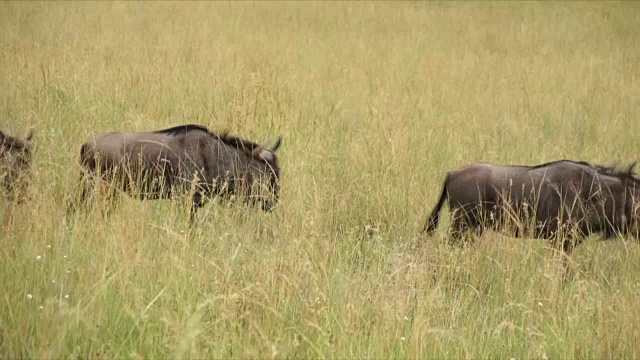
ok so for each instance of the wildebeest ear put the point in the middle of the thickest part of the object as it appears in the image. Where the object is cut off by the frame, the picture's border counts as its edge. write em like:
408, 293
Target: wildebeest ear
29, 135
266, 155
261, 153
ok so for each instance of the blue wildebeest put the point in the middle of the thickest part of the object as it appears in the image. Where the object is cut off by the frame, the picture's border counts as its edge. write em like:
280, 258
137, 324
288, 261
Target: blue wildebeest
15, 164
180, 160
564, 201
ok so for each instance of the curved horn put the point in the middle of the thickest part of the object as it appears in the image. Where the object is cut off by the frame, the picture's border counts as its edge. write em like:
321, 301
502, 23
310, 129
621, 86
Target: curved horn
633, 164
29, 135
277, 144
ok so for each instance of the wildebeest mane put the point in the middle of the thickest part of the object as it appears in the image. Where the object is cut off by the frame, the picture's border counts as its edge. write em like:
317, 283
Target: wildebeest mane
240, 144
611, 170
625, 172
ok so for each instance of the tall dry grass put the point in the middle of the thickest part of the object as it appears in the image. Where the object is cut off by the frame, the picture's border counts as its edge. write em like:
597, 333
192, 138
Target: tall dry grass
375, 101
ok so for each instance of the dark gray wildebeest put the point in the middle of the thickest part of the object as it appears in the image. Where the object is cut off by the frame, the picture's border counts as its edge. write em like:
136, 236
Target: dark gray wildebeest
185, 159
15, 164
563, 201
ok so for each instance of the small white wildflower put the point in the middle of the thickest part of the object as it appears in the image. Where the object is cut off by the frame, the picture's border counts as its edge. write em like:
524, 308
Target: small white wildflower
53, 282
65, 256
40, 307
318, 300
49, 247
403, 338
406, 318
39, 257
29, 296
66, 296
539, 303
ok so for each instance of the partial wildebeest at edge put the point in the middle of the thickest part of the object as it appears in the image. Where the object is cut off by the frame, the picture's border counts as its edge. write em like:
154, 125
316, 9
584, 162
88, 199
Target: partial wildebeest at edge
15, 164
561, 200
186, 159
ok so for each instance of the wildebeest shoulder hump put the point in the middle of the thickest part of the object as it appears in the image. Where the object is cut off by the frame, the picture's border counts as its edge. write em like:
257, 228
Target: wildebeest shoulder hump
237, 142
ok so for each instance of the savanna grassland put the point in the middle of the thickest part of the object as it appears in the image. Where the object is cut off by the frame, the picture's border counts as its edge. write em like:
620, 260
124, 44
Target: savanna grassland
375, 102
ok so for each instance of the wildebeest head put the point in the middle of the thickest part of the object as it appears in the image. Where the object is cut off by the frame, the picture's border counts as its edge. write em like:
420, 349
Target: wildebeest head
15, 162
630, 224
266, 190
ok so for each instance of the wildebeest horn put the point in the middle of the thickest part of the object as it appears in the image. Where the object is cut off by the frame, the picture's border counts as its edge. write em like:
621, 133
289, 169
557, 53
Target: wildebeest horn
633, 164
29, 135
277, 144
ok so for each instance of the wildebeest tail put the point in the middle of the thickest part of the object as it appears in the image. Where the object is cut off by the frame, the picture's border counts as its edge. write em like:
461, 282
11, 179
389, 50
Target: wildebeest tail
87, 160
434, 218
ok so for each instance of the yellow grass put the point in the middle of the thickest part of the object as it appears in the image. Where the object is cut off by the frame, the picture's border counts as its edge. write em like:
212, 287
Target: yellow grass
375, 102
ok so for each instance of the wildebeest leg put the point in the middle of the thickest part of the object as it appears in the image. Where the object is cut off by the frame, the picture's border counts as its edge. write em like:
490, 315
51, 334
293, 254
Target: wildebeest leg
567, 247
81, 200
458, 227
569, 241
87, 182
8, 185
85, 191
109, 192
15, 184
465, 227
196, 202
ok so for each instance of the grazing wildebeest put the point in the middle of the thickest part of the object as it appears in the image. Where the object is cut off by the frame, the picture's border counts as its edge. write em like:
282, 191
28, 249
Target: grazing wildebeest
179, 160
561, 200
15, 163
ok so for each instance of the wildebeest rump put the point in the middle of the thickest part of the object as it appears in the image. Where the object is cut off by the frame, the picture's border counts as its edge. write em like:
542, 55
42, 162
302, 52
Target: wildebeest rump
15, 163
182, 159
564, 200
